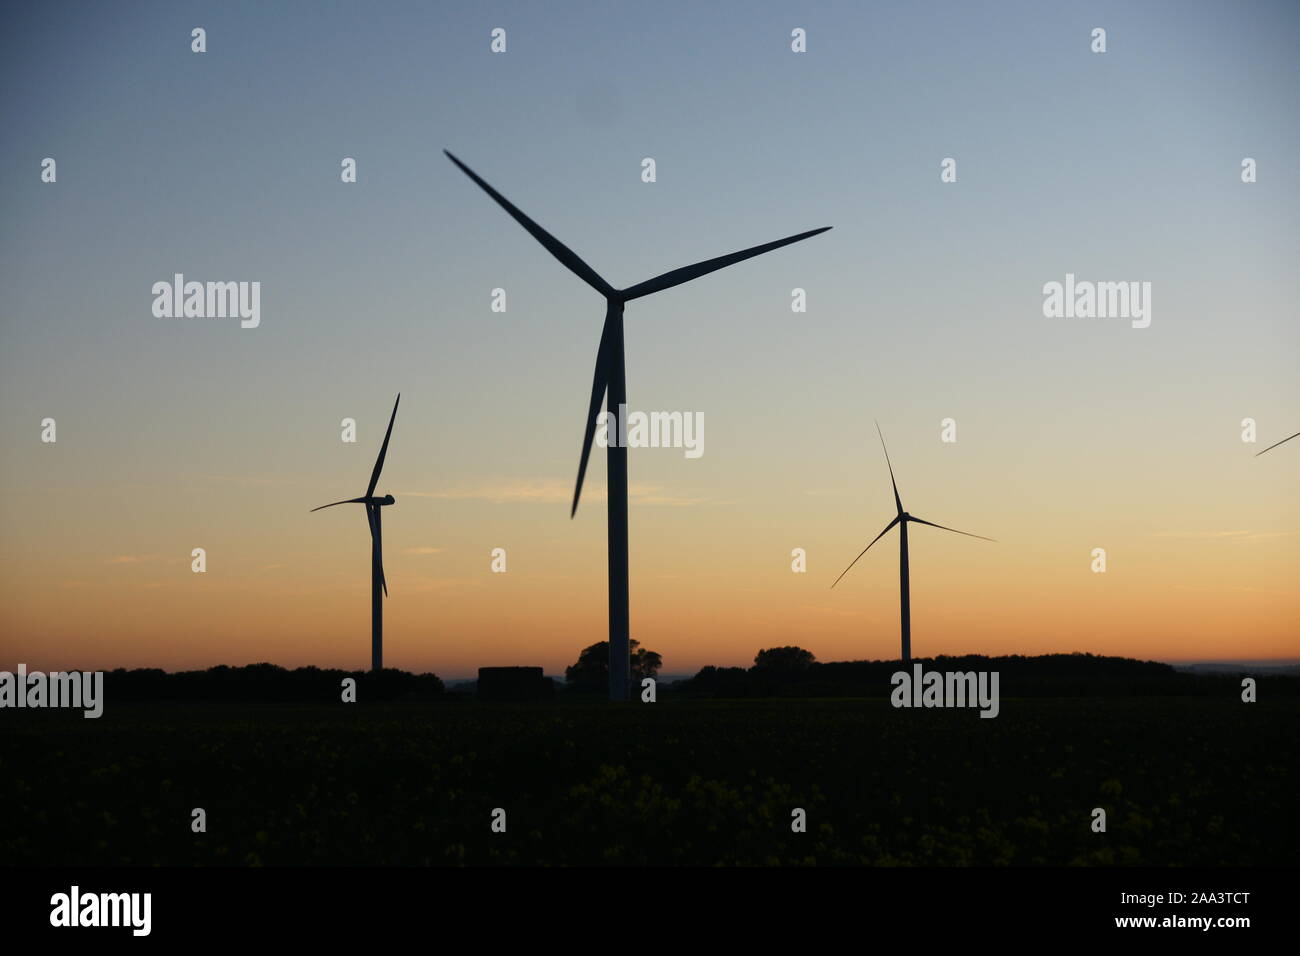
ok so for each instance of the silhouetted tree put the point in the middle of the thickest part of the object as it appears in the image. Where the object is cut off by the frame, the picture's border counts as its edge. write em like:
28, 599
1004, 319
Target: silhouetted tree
644, 663
591, 672
783, 661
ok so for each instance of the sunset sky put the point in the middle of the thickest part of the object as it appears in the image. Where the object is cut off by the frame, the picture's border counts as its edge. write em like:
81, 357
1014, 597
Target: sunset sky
924, 303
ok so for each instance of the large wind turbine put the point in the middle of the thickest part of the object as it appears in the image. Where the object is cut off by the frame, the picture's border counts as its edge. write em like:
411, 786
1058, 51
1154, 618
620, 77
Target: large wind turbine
902, 519
609, 378
373, 516
1275, 444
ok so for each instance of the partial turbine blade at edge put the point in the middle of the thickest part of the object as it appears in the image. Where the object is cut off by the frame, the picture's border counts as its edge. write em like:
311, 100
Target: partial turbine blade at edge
897, 500
1275, 444
953, 530
349, 501
383, 450
687, 273
598, 385
865, 550
556, 248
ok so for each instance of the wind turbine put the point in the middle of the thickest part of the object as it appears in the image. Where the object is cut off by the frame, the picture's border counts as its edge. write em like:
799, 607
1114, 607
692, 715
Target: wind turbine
373, 516
609, 378
902, 519
1275, 444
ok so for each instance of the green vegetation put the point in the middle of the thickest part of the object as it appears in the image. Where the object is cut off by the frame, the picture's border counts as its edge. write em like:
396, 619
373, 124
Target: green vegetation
1184, 780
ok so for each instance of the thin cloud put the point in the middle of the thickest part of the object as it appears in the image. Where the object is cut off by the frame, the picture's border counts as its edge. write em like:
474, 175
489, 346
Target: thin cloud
648, 495
541, 490
247, 480
1222, 535
550, 491
418, 585
831, 611
148, 559
1199, 534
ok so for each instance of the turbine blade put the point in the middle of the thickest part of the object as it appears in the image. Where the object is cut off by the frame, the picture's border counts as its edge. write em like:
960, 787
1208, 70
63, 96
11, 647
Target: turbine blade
376, 546
897, 500
383, 450
687, 273
866, 549
556, 248
598, 385
953, 530
350, 501
1282, 442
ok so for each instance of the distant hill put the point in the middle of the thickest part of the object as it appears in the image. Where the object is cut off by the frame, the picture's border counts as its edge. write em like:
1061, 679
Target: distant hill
267, 682
1254, 668
1049, 675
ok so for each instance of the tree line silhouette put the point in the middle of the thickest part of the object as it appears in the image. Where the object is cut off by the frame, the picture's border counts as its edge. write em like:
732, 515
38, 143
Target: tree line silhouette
795, 672
787, 671
268, 682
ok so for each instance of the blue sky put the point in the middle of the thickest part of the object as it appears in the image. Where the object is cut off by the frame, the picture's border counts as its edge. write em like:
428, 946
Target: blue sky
924, 301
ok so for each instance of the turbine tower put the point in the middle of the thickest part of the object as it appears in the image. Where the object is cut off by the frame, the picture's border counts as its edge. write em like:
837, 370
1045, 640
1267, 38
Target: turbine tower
610, 380
374, 520
904, 581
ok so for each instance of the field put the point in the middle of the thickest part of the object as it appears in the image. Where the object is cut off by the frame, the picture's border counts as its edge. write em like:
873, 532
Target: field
1184, 781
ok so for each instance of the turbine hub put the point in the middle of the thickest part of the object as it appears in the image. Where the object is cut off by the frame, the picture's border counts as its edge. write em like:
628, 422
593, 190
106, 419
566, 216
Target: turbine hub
386, 500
